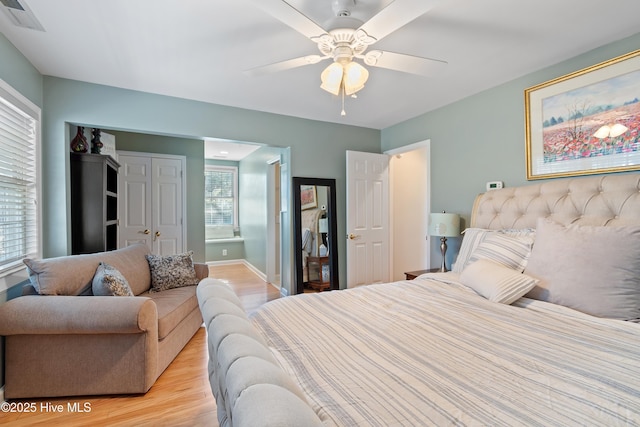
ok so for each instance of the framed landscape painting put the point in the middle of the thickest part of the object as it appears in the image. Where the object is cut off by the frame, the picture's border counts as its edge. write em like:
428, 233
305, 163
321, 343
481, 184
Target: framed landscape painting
587, 122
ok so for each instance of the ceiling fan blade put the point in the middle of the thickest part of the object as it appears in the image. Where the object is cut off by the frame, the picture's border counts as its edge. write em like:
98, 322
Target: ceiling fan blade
283, 11
396, 15
285, 65
405, 63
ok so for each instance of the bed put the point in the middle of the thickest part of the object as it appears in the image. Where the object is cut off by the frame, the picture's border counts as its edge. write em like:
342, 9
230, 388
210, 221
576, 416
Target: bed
536, 325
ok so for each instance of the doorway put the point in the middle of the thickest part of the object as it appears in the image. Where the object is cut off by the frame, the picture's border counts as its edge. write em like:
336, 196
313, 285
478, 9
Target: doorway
410, 200
273, 222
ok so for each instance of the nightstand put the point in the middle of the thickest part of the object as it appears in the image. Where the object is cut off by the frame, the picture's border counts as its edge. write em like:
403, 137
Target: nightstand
318, 271
410, 275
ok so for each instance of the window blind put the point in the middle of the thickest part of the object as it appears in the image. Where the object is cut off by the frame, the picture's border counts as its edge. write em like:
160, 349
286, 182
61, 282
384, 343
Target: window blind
18, 185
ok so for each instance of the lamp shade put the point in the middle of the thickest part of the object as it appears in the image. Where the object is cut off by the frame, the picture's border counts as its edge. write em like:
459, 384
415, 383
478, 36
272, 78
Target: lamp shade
323, 225
444, 224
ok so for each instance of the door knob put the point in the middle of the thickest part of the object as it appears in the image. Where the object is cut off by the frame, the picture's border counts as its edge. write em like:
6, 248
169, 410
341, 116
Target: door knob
146, 231
352, 236
157, 234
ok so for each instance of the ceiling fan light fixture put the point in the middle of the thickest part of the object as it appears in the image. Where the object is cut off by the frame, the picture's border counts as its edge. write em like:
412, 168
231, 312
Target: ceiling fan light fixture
355, 76
331, 78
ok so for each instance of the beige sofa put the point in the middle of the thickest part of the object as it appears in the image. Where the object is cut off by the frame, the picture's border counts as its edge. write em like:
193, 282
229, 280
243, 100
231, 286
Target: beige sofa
72, 343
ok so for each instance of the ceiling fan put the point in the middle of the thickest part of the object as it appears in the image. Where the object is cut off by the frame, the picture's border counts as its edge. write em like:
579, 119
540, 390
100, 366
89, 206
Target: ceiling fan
346, 38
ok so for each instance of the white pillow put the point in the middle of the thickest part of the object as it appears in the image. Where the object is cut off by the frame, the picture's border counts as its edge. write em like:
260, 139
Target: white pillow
496, 282
472, 238
512, 252
593, 269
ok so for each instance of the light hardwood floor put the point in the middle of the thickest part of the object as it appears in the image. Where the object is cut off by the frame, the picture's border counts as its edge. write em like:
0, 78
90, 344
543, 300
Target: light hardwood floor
180, 397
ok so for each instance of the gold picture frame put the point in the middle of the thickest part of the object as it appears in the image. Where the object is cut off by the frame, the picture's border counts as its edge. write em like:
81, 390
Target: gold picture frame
586, 122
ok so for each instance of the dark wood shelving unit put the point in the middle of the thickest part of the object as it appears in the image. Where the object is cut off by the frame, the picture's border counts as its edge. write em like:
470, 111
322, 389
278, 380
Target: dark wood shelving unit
94, 203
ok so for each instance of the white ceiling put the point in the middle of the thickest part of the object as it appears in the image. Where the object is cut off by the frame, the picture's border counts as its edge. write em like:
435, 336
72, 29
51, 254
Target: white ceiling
198, 49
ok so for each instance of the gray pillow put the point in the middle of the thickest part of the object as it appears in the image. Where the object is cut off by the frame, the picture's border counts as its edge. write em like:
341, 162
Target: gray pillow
109, 281
593, 269
171, 271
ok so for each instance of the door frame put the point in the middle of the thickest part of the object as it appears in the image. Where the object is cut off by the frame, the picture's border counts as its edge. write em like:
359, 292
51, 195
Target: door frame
183, 165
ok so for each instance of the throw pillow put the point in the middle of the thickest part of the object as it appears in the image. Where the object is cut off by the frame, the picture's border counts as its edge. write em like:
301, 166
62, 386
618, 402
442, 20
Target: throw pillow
172, 271
496, 282
109, 281
472, 238
593, 269
512, 252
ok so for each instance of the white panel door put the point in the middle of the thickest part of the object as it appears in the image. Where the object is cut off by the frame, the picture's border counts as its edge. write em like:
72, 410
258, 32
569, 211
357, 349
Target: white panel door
151, 209
167, 206
368, 228
134, 190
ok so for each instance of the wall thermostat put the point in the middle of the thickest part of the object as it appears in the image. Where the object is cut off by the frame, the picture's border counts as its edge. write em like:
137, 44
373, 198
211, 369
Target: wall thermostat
494, 185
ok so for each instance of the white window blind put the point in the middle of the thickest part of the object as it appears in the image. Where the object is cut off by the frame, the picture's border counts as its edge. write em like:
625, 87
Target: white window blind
220, 195
18, 183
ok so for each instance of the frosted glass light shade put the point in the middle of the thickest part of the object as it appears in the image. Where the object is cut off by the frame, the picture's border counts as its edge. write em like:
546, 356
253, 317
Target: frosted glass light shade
444, 224
332, 78
352, 76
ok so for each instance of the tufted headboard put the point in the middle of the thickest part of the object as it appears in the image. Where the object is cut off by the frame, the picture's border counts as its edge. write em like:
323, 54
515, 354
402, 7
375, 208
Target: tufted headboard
594, 200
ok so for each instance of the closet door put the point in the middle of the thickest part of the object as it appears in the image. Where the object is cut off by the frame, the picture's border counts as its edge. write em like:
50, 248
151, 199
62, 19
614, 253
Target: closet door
152, 208
135, 201
167, 206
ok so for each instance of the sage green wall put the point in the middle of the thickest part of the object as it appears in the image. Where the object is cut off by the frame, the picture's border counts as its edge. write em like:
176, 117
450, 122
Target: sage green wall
16, 71
481, 138
193, 150
252, 182
317, 149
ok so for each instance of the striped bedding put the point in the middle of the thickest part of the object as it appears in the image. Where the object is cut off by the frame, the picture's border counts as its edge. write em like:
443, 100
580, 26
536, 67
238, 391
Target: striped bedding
430, 352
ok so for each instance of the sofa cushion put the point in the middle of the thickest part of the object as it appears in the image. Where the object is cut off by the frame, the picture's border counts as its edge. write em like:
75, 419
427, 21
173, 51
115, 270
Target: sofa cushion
109, 281
73, 274
171, 271
173, 305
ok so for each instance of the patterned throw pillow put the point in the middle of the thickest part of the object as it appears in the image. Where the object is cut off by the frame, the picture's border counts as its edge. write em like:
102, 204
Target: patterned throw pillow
171, 271
109, 281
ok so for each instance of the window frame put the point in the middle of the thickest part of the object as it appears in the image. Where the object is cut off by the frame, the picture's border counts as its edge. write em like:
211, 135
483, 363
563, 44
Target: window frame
14, 272
234, 170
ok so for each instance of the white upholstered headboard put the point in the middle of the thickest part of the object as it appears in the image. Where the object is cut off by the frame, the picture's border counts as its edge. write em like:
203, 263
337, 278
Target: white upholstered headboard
595, 200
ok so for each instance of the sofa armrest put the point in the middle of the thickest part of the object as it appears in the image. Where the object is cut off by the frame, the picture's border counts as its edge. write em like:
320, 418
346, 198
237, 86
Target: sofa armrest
40, 314
202, 270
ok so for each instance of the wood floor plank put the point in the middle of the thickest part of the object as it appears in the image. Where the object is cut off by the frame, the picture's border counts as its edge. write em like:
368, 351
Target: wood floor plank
180, 397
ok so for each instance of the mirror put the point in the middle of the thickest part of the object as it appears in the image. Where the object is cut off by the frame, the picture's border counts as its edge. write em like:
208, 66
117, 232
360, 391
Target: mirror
316, 231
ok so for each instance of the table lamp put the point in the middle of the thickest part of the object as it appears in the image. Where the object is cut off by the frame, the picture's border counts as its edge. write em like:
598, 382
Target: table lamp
444, 225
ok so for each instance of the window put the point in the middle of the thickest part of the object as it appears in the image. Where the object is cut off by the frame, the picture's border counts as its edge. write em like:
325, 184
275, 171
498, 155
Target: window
220, 196
19, 146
